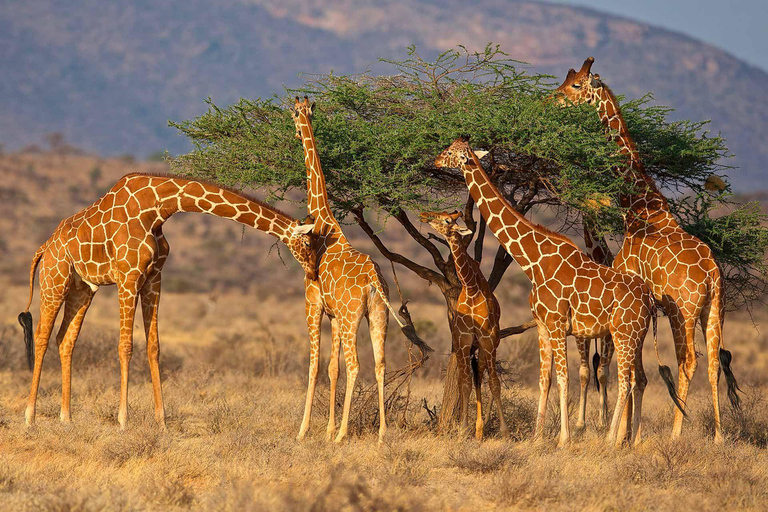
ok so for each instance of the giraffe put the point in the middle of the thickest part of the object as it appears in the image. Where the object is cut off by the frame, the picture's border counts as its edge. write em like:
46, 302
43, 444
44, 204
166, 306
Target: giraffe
679, 268
349, 286
571, 294
119, 240
475, 326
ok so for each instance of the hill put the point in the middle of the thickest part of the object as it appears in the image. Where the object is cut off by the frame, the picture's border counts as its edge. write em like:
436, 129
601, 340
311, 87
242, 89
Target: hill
109, 76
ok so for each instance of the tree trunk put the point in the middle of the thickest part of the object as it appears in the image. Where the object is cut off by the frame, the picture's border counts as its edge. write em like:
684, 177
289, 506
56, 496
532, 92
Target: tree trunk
449, 410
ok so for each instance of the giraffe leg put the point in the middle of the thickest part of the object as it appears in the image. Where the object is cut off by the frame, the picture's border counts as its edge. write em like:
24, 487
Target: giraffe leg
560, 352
495, 384
150, 303
638, 388
545, 379
314, 313
333, 377
465, 380
348, 336
686, 360
712, 327
127, 295
378, 318
583, 345
624, 368
478, 378
78, 301
625, 424
50, 303
606, 354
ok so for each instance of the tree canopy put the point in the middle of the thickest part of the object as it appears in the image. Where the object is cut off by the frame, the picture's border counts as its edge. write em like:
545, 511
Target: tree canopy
378, 136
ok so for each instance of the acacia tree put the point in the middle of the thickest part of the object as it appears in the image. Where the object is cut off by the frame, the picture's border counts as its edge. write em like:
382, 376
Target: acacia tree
378, 136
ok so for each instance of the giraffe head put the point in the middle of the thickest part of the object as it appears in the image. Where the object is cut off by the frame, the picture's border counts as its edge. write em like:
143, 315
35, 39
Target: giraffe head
301, 243
301, 108
445, 223
457, 154
579, 86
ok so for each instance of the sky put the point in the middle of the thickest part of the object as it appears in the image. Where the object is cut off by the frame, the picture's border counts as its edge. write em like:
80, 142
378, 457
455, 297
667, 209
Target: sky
738, 26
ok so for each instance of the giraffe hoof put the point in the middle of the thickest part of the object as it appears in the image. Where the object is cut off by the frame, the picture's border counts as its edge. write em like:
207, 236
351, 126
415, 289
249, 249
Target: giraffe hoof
339, 438
29, 417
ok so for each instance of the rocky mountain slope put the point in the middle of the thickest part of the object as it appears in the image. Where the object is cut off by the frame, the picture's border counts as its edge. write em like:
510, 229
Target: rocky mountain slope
109, 75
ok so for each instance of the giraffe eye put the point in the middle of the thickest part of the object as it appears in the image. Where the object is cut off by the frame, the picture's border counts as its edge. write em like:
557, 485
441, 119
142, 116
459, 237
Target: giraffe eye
576, 86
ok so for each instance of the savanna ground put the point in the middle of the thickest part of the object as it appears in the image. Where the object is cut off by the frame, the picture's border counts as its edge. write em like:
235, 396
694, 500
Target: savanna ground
234, 360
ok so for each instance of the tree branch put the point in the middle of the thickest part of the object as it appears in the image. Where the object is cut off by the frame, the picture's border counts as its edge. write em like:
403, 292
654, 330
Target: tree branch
420, 270
518, 329
501, 262
403, 219
480, 240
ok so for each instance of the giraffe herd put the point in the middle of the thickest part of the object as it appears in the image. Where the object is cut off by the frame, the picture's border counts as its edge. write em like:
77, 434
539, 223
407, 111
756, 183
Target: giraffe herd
589, 295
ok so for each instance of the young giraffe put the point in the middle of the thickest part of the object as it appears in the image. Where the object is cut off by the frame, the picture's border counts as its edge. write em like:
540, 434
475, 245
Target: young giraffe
678, 267
571, 294
119, 240
349, 286
476, 323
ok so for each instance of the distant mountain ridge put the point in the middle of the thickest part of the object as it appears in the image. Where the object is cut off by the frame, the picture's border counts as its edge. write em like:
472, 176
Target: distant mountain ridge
109, 75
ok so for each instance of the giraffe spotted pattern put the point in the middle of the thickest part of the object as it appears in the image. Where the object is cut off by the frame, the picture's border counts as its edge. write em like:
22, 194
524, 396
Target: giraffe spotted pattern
571, 294
678, 267
119, 240
598, 250
475, 326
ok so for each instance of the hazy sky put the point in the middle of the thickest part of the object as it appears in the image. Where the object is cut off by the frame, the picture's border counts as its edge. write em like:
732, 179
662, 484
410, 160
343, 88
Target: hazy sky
737, 26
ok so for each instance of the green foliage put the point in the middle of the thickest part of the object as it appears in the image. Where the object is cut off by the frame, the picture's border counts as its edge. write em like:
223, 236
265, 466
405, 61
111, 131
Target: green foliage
738, 239
378, 137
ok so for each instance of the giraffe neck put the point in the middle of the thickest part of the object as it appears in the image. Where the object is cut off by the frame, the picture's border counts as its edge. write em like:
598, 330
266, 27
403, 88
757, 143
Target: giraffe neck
597, 248
180, 195
651, 201
465, 265
317, 194
522, 239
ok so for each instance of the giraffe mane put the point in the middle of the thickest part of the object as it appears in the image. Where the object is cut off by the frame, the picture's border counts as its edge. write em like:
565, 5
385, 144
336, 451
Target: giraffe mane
212, 183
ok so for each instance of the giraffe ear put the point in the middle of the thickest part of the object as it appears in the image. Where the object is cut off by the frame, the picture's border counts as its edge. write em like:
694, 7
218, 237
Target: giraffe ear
480, 154
594, 81
303, 229
464, 231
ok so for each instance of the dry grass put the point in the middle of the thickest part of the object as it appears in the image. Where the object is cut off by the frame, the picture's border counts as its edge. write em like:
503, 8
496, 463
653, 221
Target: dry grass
234, 399
234, 361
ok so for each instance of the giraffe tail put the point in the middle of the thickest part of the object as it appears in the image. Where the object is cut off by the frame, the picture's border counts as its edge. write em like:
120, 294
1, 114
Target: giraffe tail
596, 364
25, 317
715, 337
665, 371
475, 363
406, 326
